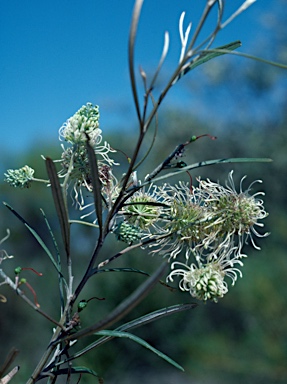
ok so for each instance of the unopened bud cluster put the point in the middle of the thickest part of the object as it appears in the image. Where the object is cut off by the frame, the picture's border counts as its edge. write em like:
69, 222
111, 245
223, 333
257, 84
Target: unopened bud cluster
20, 178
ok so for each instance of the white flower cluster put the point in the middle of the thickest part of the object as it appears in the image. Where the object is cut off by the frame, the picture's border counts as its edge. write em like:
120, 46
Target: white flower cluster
209, 224
84, 123
20, 178
83, 126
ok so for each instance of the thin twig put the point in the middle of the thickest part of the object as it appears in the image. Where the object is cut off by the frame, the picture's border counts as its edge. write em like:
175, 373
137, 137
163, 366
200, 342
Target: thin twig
13, 285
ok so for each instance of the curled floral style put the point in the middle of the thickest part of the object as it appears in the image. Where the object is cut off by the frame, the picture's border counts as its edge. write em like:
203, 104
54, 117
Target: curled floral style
236, 214
185, 222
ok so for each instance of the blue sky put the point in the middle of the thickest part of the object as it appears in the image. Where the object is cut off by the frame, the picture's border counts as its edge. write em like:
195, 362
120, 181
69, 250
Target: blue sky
58, 55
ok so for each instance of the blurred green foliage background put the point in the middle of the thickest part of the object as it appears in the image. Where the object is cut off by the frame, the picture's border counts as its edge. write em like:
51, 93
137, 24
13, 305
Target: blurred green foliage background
241, 339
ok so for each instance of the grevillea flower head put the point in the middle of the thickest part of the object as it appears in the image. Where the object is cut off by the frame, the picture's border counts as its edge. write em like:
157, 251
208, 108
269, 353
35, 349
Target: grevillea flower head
143, 209
235, 213
85, 122
83, 126
205, 281
21, 178
127, 233
185, 221
76, 164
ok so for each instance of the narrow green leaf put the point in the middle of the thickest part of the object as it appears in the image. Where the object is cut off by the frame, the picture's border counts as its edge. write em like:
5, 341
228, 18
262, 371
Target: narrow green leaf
122, 270
211, 162
209, 55
141, 342
247, 56
156, 315
36, 236
53, 238
73, 370
60, 204
62, 281
95, 178
143, 320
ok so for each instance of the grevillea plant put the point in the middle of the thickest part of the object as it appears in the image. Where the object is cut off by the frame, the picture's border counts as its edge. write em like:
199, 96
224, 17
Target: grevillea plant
198, 229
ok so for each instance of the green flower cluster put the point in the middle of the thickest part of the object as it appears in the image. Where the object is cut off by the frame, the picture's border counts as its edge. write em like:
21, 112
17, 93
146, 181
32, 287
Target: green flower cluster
21, 178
